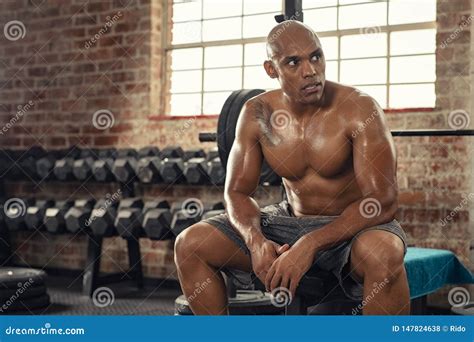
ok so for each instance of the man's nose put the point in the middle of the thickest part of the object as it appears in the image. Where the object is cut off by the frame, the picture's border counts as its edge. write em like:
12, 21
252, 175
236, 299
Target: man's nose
309, 70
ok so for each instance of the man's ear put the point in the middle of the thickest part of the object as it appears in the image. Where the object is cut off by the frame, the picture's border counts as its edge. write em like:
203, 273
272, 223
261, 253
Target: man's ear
270, 69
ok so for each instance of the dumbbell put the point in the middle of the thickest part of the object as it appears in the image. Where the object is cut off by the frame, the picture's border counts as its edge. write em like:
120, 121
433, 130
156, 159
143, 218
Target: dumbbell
125, 166
173, 165
77, 216
102, 218
216, 171
102, 168
14, 213
212, 213
127, 221
212, 153
148, 168
23, 163
196, 171
35, 214
82, 167
45, 165
157, 222
189, 212
54, 219
63, 167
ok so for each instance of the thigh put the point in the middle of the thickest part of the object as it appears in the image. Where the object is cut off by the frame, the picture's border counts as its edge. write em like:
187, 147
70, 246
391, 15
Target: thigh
211, 245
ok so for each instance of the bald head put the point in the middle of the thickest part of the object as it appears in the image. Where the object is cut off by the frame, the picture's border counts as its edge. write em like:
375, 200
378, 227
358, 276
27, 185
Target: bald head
288, 32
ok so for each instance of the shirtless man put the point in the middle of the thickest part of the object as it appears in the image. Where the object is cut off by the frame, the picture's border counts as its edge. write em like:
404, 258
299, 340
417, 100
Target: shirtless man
330, 144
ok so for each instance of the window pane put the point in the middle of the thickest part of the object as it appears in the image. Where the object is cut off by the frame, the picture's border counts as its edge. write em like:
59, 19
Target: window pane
322, 19
187, 32
364, 16
364, 45
329, 47
217, 9
186, 81
221, 29
364, 71
222, 79
185, 11
379, 93
222, 56
262, 6
256, 77
412, 95
258, 25
185, 104
317, 3
255, 54
213, 102
412, 69
412, 42
349, 2
409, 11
331, 71
186, 59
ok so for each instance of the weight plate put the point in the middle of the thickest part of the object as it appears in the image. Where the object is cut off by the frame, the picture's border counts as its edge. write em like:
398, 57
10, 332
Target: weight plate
28, 292
25, 304
222, 126
11, 276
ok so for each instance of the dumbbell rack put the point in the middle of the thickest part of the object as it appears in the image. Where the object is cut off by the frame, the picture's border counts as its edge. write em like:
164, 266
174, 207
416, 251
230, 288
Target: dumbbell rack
5, 245
92, 278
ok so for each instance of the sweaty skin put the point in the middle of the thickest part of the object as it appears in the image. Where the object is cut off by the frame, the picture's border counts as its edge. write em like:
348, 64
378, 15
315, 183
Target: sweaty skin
330, 144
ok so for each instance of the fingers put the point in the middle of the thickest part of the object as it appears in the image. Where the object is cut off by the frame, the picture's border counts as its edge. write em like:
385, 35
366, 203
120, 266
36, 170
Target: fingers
276, 280
293, 285
269, 277
283, 249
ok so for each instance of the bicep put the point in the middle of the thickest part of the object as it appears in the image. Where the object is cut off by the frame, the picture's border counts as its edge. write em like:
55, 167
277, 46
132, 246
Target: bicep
374, 154
245, 158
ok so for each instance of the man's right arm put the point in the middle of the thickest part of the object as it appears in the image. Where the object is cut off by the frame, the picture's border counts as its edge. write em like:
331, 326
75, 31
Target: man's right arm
242, 176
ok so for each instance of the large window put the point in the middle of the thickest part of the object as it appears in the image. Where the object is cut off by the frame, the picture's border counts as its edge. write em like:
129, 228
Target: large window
385, 48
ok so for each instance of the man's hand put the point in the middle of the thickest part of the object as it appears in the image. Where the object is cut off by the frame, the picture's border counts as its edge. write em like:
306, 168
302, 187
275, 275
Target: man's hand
288, 269
263, 255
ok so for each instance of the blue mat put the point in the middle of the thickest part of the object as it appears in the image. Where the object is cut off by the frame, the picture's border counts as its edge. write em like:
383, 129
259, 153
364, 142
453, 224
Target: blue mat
430, 269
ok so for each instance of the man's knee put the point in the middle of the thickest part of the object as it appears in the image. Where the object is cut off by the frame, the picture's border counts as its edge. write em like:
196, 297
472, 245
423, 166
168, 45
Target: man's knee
378, 255
188, 245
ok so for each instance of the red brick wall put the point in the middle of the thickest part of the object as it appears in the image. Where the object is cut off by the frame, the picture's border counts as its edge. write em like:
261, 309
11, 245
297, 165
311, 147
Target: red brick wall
123, 73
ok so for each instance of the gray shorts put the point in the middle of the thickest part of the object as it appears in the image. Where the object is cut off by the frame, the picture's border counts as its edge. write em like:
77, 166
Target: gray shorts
279, 224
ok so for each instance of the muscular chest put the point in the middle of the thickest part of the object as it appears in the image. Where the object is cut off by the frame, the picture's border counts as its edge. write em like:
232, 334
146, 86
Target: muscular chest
318, 145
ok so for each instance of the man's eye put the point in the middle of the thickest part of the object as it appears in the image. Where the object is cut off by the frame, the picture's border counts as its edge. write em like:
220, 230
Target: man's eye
316, 57
292, 62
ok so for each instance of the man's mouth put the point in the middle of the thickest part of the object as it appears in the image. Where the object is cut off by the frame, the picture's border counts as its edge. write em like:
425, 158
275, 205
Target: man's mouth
311, 88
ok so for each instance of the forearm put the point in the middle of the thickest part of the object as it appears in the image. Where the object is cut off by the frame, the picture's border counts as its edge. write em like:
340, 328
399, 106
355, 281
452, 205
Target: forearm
356, 217
244, 215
